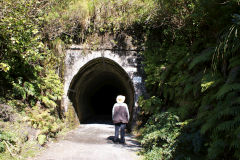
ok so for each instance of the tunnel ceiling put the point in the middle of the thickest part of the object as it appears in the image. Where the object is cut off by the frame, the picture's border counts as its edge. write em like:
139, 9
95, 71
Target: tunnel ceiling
94, 89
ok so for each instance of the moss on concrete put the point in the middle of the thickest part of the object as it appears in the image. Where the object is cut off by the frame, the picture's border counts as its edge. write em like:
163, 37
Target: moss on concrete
71, 117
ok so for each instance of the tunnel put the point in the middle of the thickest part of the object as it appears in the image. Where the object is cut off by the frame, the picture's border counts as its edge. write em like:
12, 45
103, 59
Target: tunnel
94, 89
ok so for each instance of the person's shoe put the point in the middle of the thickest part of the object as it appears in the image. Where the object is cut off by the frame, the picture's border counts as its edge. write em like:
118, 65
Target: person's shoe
122, 142
116, 140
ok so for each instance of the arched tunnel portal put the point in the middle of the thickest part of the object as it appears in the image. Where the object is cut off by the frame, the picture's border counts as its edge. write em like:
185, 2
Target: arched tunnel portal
94, 89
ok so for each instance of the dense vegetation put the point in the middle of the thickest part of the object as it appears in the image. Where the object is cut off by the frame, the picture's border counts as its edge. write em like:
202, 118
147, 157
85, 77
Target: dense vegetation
190, 58
193, 72
30, 86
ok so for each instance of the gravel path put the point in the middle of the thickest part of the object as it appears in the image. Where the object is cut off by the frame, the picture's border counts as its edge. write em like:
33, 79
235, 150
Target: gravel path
91, 142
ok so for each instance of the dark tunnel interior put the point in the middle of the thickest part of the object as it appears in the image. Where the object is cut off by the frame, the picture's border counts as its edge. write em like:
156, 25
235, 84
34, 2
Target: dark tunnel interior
96, 87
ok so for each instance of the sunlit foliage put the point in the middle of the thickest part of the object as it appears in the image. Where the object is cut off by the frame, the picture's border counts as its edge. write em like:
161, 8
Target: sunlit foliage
190, 55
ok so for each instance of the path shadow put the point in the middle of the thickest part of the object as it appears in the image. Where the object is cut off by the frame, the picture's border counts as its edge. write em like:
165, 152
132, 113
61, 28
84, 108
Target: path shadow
131, 144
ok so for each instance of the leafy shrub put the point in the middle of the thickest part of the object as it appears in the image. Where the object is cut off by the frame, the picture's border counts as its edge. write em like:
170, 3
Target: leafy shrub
159, 136
150, 105
45, 121
27, 65
193, 70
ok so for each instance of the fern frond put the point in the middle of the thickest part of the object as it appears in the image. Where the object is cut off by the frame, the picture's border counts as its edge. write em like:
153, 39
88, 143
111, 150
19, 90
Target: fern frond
234, 61
209, 124
235, 145
206, 100
237, 121
226, 126
229, 111
164, 75
233, 74
226, 88
188, 88
237, 131
186, 108
204, 56
236, 101
237, 154
201, 116
216, 148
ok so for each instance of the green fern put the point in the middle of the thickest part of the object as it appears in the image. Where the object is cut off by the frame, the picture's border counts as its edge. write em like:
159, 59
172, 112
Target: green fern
187, 89
235, 145
207, 100
216, 147
226, 88
227, 111
233, 74
234, 62
204, 56
210, 123
226, 126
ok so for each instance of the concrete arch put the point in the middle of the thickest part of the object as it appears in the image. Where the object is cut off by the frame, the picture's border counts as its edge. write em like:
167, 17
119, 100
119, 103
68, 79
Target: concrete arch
94, 88
122, 70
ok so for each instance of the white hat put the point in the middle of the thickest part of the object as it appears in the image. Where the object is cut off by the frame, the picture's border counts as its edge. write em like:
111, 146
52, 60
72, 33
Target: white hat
120, 99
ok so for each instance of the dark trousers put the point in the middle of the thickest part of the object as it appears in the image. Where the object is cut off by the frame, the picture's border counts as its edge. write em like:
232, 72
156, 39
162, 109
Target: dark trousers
121, 127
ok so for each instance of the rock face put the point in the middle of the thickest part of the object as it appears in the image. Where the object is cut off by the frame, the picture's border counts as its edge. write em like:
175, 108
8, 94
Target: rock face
93, 79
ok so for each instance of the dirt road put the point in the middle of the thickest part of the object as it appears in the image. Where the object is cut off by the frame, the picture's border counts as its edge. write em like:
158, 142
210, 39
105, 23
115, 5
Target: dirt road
91, 142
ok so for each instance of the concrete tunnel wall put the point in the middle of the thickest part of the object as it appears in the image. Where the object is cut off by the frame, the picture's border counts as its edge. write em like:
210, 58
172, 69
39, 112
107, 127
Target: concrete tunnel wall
92, 81
96, 87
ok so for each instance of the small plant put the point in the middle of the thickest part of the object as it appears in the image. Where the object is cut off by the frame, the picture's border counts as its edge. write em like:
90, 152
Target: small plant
8, 142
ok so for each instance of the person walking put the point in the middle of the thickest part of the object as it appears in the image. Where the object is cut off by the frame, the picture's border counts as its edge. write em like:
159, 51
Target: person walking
120, 116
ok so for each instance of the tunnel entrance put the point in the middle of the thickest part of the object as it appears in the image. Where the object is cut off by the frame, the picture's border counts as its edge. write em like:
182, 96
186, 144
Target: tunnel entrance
94, 89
